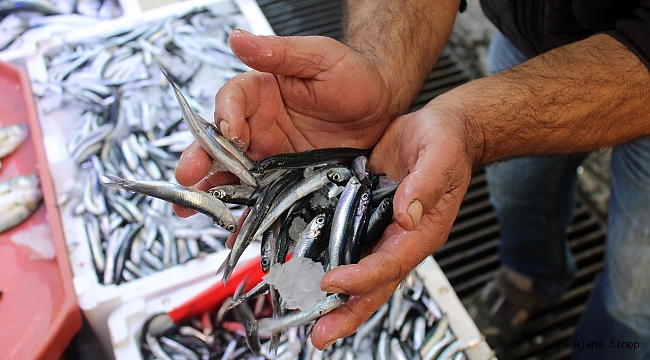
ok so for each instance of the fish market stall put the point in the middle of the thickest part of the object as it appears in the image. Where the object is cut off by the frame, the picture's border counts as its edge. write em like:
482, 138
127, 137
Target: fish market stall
113, 126
105, 108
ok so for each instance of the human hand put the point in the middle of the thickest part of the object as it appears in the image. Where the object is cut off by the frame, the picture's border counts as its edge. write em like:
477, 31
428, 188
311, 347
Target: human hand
429, 151
308, 93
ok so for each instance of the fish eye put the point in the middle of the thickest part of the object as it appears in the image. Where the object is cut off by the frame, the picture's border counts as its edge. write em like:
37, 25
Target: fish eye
320, 220
231, 228
335, 176
365, 197
265, 262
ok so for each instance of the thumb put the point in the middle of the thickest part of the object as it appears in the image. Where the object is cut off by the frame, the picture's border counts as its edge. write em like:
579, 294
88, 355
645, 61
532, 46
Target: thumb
431, 178
299, 56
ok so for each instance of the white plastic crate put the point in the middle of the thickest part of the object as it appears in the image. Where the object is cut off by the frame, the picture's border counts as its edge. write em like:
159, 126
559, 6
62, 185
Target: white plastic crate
96, 300
125, 323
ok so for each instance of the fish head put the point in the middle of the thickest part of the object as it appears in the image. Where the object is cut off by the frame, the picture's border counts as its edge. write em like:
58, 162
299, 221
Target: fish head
339, 176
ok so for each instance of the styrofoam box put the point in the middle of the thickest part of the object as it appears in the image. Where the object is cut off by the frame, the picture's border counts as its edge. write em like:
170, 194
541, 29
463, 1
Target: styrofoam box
96, 300
125, 323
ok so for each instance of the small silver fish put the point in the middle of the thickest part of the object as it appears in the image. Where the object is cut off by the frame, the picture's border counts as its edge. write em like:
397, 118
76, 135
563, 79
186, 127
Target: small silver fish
181, 195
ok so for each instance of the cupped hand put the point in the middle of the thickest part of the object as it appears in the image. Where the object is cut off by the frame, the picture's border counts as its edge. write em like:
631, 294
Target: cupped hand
306, 92
427, 150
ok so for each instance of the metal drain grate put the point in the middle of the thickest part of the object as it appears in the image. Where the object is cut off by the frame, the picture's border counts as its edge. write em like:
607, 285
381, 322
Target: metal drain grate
469, 258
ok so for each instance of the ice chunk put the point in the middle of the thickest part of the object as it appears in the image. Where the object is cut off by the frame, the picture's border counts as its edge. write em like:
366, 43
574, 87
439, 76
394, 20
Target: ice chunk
298, 282
297, 226
37, 242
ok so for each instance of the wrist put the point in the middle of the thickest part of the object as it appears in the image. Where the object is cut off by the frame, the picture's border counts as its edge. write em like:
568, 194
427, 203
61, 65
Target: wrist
470, 132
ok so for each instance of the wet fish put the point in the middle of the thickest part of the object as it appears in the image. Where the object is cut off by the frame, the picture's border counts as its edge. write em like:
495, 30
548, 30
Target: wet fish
11, 137
181, 195
20, 197
306, 158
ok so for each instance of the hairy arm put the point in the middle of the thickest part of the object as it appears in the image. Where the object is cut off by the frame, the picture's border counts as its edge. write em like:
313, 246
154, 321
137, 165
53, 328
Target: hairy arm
580, 97
591, 94
403, 38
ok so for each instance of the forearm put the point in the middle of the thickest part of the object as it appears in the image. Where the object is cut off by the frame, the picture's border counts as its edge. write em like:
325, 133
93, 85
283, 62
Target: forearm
403, 38
580, 97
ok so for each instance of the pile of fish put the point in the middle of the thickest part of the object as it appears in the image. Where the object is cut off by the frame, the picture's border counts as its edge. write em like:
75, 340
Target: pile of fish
129, 126
20, 197
409, 326
312, 204
28, 20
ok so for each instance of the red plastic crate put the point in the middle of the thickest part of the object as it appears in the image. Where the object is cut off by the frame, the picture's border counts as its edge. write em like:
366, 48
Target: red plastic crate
38, 305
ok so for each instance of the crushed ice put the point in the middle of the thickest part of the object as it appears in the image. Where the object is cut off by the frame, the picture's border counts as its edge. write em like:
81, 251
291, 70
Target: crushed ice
298, 282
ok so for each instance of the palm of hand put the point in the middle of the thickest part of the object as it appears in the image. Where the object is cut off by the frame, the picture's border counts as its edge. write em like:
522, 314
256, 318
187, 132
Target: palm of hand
309, 92
429, 156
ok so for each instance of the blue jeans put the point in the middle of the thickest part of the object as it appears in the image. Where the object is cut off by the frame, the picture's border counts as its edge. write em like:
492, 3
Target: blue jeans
534, 199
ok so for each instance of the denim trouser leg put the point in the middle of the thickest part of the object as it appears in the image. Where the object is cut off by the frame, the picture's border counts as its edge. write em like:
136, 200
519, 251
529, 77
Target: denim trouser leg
534, 199
535, 196
618, 312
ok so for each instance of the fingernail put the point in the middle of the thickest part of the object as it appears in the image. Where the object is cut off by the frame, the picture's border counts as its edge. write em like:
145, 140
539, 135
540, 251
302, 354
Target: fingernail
224, 127
415, 210
334, 289
245, 32
329, 344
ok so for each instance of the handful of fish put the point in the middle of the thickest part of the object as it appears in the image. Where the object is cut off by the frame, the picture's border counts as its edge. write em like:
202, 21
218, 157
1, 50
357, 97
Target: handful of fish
410, 325
20, 197
125, 122
11, 137
312, 202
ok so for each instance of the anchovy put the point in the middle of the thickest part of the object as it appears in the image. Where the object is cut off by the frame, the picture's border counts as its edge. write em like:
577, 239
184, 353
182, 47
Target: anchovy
352, 250
180, 195
439, 346
301, 189
235, 194
379, 220
259, 289
305, 246
361, 171
324, 306
369, 326
459, 345
39, 6
378, 195
204, 133
250, 229
228, 145
342, 221
306, 158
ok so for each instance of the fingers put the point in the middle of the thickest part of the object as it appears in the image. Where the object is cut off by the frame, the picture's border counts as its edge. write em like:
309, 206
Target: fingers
345, 320
397, 253
435, 184
205, 184
299, 56
193, 165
